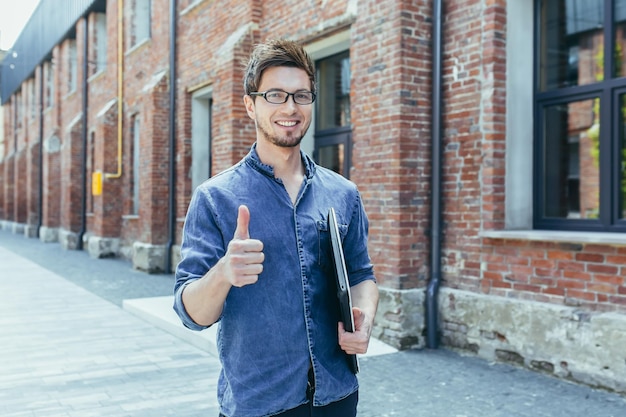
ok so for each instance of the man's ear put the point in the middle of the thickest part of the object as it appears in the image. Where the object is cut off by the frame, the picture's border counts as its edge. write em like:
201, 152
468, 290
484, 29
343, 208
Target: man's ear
249, 103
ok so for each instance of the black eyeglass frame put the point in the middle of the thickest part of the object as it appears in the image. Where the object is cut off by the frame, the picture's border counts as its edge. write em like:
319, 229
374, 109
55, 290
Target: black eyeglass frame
264, 95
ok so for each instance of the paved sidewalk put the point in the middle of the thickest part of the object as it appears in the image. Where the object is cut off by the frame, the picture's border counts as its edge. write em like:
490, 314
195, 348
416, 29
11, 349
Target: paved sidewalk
68, 348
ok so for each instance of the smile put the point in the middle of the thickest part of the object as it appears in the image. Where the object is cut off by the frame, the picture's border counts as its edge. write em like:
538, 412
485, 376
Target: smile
287, 124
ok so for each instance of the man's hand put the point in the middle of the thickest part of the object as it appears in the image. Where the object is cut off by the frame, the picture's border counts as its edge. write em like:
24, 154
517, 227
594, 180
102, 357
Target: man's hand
364, 306
358, 341
244, 257
241, 265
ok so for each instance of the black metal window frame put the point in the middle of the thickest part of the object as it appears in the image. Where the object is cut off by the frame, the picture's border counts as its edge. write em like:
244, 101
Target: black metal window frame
336, 136
608, 91
341, 135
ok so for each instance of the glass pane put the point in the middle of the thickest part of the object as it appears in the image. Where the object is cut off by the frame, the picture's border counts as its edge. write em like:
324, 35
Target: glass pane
619, 11
622, 144
571, 44
571, 160
333, 109
332, 157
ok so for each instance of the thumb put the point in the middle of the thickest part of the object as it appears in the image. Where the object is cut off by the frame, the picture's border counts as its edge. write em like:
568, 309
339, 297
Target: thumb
359, 317
243, 220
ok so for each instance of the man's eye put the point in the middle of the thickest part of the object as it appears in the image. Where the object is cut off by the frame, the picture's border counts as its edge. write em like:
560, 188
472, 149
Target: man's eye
275, 94
303, 96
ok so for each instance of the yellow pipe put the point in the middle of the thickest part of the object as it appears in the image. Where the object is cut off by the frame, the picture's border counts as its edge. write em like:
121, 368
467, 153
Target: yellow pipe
120, 91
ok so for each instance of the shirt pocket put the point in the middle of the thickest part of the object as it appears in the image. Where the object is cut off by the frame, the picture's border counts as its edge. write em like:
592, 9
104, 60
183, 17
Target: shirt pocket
324, 257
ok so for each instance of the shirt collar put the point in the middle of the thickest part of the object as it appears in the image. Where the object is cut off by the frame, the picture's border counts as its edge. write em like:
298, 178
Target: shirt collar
254, 161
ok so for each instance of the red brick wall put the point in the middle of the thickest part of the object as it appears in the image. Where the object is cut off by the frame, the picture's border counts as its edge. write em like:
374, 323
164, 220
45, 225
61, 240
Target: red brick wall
19, 207
154, 166
72, 191
582, 275
391, 107
474, 142
217, 63
391, 87
51, 157
107, 207
51, 204
573, 274
8, 177
32, 186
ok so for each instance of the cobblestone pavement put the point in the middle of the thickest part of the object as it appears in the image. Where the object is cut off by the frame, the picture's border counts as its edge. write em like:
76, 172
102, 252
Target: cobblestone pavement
67, 348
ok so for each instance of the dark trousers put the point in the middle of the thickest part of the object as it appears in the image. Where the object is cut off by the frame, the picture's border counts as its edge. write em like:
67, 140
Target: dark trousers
342, 408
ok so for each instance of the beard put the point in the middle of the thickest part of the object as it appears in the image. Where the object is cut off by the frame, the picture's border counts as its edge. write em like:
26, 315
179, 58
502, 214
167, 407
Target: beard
285, 141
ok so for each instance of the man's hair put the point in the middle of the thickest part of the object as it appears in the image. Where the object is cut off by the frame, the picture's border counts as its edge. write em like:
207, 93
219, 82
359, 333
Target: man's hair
276, 53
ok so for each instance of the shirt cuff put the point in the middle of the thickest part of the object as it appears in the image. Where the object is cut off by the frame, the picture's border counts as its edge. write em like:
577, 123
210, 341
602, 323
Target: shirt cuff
179, 308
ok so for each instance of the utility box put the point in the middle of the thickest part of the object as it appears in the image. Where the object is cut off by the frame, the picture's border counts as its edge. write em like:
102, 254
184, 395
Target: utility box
96, 183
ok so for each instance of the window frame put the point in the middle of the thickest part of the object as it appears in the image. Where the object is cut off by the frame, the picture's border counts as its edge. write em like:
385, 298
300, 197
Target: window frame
72, 60
608, 92
100, 33
338, 135
141, 22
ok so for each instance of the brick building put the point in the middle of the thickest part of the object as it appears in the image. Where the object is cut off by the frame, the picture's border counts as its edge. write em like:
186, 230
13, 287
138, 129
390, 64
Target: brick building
486, 138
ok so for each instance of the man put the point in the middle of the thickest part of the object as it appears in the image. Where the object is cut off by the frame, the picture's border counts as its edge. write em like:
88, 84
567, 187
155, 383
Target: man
256, 257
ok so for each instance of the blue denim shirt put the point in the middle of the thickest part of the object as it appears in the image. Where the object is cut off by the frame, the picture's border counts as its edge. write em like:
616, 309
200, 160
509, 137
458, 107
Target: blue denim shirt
270, 331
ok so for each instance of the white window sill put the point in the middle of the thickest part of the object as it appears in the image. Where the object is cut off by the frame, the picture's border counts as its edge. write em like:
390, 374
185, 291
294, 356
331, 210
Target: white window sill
557, 236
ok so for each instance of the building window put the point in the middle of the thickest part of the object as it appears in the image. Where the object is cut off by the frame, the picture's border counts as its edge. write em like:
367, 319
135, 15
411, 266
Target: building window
72, 65
201, 136
49, 85
333, 129
19, 110
140, 20
101, 41
32, 98
580, 110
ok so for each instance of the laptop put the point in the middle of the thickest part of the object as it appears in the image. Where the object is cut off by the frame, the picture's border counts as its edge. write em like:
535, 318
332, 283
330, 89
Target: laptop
343, 286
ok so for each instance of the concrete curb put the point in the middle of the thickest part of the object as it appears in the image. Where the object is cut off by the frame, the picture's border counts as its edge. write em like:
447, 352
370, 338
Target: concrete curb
158, 312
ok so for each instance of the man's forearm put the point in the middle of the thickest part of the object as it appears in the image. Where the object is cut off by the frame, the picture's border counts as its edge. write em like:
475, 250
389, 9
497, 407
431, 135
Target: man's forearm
365, 297
204, 299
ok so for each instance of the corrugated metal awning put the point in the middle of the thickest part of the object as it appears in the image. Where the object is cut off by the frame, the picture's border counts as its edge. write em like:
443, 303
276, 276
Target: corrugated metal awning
51, 22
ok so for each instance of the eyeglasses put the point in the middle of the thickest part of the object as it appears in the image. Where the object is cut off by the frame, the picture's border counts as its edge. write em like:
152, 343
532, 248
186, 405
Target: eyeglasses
280, 96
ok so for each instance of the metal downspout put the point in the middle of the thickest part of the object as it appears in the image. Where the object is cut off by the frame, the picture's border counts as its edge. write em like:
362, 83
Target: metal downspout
432, 291
40, 185
83, 206
172, 131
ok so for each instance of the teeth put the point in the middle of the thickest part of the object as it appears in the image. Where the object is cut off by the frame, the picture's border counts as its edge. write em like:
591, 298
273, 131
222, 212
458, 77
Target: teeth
287, 124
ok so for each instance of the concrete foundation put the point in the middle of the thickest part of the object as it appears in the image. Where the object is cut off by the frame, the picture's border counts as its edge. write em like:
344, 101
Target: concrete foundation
17, 228
48, 234
68, 239
175, 257
400, 318
585, 347
30, 230
102, 247
149, 258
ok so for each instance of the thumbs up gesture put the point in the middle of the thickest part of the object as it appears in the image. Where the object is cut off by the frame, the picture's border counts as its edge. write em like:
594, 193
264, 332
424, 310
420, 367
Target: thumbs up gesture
244, 257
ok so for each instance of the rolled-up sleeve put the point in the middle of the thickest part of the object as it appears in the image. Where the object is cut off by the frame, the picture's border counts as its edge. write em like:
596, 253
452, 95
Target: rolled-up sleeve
358, 261
179, 308
201, 248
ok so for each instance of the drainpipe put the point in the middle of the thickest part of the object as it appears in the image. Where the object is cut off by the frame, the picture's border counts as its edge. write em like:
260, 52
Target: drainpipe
83, 208
432, 326
40, 185
172, 130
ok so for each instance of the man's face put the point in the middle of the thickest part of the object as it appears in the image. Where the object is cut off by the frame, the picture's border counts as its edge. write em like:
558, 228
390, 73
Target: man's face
283, 124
